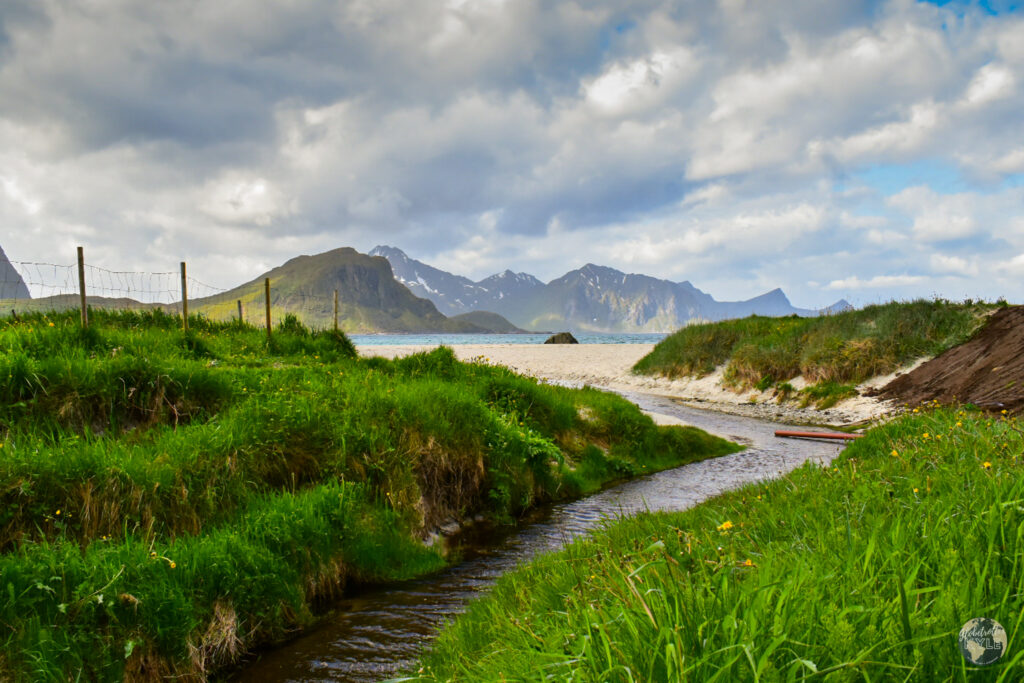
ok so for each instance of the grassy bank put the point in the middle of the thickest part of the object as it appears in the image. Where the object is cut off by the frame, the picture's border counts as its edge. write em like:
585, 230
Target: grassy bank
833, 353
169, 500
864, 570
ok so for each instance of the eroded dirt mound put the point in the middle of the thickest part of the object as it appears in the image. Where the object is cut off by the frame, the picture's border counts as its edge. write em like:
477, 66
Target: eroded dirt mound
987, 370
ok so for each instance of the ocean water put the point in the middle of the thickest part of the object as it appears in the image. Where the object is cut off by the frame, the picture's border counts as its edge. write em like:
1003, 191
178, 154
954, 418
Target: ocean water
457, 339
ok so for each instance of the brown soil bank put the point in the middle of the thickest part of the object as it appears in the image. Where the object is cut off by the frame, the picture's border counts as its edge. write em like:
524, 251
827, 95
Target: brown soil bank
987, 370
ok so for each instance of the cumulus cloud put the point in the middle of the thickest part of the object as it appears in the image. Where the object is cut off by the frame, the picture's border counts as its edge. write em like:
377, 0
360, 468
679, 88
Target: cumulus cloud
956, 265
1013, 266
236, 198
719, 142
937, 217
876, 282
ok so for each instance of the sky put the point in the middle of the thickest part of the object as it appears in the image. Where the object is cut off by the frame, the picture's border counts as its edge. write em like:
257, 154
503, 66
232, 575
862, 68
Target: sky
834, 148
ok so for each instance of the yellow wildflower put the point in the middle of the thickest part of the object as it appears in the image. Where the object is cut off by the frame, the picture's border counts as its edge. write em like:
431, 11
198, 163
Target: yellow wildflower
925, 435
987, 465
725, 526
916, 410
895, 453
915, 489
173, 565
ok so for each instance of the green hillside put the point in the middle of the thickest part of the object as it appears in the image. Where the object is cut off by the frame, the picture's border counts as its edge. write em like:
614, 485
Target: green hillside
833, 351
865, 569
170, 500
369, 297
72, 302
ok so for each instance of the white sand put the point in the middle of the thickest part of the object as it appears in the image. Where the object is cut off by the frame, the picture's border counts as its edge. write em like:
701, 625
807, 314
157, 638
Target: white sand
609, 366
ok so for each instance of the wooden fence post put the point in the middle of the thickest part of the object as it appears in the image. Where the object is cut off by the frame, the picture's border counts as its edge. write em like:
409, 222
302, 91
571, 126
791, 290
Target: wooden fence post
81, 286
266, 288
335, 310
184, 299
240, 317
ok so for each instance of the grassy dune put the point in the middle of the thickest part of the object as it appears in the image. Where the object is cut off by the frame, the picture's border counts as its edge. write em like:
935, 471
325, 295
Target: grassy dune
169, 500
864, 570
833, 353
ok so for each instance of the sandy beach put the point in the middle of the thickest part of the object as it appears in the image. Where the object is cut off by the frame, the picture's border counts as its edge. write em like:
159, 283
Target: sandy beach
608, 366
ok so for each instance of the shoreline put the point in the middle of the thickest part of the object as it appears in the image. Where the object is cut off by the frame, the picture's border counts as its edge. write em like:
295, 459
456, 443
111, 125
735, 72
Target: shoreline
608, 366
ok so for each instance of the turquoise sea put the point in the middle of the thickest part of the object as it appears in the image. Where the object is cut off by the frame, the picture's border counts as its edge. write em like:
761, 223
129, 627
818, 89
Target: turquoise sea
457, 339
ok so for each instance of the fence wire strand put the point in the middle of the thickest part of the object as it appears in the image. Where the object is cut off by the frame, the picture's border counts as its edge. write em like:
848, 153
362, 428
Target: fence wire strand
29, 286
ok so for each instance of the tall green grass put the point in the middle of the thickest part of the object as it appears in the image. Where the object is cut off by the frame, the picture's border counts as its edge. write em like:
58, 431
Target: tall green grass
845, 348
863, 570
168, 500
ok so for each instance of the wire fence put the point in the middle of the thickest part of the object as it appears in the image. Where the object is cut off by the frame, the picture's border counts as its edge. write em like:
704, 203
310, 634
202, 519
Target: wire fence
32, 286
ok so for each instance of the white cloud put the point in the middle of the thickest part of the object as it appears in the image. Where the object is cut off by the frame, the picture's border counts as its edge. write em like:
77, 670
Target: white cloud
890, 140
712, 193
876, 282
235, 198
687, 246
640, 83
1009, 163
1013, 266
955, 265
861, 221
712, 140
991, 82
938, 217
30, 205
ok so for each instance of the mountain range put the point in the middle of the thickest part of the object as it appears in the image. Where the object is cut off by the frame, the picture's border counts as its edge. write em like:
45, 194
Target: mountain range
590, 299
370, 298
387, 291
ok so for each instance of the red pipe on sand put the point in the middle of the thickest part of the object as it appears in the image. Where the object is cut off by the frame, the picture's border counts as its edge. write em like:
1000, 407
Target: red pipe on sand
818, 435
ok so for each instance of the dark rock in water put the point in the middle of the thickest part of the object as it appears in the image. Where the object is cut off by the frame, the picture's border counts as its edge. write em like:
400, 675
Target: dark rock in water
561, 338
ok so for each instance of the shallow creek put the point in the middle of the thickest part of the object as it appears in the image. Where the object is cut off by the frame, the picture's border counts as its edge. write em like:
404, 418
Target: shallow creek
374, 633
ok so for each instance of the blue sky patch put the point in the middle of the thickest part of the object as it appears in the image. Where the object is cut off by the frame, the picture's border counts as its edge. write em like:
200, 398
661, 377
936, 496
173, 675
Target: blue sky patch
992, 7
888, 179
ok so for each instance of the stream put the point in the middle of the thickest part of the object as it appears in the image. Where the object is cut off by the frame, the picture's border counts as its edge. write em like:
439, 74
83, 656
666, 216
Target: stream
378, 631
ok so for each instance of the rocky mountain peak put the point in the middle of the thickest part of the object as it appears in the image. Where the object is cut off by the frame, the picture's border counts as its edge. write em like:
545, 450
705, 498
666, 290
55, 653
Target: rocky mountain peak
12, 286
508, 278
390, 253
774, 295
592, 297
